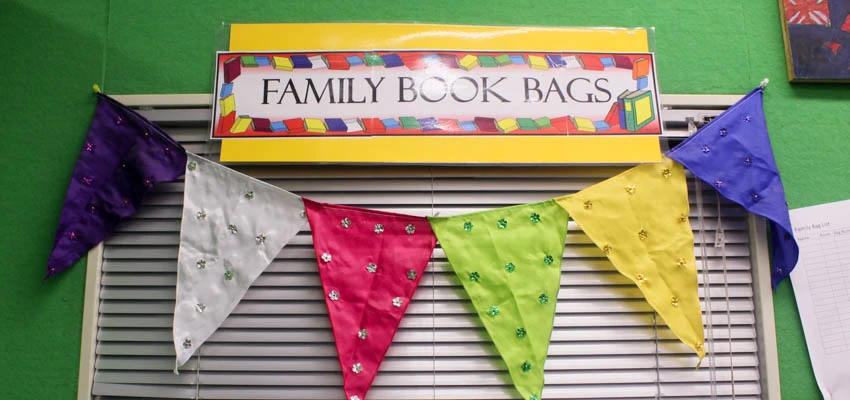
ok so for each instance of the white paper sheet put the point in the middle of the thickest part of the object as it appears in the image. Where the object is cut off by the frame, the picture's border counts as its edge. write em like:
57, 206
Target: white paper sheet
822, 287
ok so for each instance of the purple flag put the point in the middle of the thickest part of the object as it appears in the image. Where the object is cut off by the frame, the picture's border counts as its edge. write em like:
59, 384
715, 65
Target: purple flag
733, 154
124, 157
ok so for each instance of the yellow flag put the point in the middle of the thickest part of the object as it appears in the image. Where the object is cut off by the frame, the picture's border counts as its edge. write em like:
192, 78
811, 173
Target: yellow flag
639, 219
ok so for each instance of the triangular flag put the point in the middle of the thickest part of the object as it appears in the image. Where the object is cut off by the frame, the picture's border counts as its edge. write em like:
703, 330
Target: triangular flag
233, 227
509, 262
639, 219
370, 263
124, 157
733, 154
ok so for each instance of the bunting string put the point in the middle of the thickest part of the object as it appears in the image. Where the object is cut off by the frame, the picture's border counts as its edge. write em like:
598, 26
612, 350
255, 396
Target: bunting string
371, 262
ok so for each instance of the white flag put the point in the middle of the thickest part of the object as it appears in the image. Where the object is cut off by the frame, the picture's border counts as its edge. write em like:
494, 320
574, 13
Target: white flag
233, 227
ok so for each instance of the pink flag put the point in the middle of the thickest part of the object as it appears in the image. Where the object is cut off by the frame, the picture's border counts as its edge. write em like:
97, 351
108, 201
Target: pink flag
370, 263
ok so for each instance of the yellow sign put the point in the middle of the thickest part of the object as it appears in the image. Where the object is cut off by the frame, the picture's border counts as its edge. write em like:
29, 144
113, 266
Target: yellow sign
580, 143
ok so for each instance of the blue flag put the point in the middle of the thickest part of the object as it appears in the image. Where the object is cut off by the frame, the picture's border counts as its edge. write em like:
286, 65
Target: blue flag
733, 154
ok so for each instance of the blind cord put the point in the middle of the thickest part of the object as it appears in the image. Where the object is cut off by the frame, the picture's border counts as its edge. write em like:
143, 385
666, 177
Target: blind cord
198, 376
433, 303
209, 148
657, 360
706, 286
726, 289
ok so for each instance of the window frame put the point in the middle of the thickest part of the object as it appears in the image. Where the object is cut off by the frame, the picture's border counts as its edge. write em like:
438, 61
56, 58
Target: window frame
681, 113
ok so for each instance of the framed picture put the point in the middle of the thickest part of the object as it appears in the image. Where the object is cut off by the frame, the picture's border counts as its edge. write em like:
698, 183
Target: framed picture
817, 39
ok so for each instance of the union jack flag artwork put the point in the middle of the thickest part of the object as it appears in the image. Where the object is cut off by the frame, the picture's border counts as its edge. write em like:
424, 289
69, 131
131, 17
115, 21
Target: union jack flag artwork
807, 12
817, 39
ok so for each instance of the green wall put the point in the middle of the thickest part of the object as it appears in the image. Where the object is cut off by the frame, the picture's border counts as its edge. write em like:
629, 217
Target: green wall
54, 50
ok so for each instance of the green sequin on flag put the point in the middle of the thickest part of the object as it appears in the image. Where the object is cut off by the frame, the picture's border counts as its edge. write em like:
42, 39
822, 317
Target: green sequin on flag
509, 267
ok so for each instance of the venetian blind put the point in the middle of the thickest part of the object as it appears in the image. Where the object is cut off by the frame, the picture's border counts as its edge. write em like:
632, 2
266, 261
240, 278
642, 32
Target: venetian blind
277, 344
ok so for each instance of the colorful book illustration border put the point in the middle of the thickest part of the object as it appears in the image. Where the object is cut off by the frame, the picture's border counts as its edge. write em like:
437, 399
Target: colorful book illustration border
630, 114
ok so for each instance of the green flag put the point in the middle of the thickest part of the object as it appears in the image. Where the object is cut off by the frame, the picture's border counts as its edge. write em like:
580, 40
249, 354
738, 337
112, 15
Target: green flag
509, 261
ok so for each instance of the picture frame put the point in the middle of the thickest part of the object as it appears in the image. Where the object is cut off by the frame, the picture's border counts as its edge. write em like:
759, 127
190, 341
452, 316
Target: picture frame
817, 39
